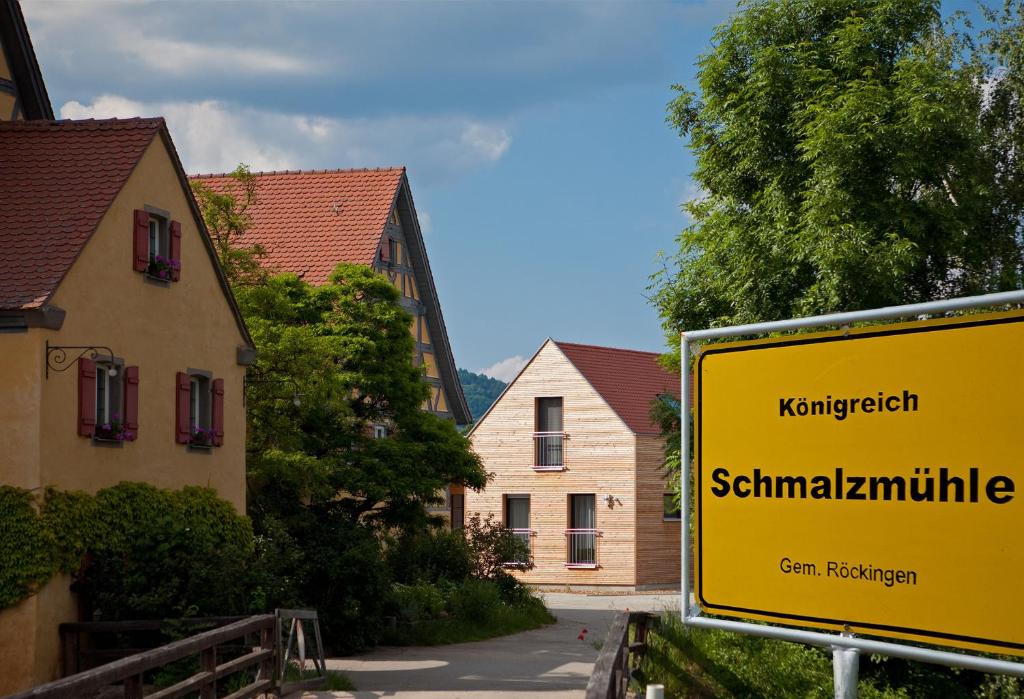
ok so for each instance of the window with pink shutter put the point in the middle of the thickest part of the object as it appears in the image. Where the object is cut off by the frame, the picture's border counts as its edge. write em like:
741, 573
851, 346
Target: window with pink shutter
86, 397
200, 411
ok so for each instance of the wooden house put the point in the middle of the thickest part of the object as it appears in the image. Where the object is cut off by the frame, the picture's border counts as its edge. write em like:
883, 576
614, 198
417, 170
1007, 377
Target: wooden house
577, 466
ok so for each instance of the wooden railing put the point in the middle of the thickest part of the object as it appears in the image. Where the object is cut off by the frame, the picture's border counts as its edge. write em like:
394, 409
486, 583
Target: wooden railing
130, 672
88, 644
610, 678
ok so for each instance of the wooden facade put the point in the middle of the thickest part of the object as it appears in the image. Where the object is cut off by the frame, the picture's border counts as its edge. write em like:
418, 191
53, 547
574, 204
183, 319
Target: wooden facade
602, 456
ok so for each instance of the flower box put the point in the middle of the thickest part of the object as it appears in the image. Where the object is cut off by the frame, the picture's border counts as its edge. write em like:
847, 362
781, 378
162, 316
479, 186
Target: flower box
113, 431
202, 437
161, 267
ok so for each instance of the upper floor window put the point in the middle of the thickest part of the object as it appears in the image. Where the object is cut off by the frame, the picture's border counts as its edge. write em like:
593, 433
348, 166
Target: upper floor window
380, 431
549, 439
157, 245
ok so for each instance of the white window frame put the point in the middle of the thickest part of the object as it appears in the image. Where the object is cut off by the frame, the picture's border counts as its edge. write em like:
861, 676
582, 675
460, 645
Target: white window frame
159, 232
108, 386
200, 409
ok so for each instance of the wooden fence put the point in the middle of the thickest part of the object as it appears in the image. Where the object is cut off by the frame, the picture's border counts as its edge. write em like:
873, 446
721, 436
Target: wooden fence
129, 672
89, 644
611, 675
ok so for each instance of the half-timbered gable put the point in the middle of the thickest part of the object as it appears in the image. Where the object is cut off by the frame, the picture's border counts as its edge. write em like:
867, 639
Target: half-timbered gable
310, 221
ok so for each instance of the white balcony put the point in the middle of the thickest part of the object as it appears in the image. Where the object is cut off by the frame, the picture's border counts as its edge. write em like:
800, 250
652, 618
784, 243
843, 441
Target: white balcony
549, 451
581, 548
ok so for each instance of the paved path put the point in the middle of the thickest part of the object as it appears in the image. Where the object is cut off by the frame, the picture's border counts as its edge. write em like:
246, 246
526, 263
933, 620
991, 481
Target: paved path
550, 662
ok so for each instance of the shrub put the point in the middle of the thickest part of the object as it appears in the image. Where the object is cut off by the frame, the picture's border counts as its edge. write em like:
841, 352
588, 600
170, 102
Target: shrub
159, 554
417, 602
476, 600
430, 555
344, 577
491, 546
513, 591
706, 662
151, 553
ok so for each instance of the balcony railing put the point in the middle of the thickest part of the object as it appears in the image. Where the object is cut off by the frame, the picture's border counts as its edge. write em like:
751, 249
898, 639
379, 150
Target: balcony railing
526, 536
549, 451
581, 548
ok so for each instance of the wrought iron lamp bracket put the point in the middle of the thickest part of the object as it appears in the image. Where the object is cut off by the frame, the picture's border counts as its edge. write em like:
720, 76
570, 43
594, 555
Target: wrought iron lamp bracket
57, 356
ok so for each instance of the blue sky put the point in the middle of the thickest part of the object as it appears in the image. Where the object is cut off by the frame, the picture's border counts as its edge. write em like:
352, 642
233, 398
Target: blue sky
545, 176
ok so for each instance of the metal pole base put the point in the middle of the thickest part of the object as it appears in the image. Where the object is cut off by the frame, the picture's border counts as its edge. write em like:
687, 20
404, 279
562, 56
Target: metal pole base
845, 668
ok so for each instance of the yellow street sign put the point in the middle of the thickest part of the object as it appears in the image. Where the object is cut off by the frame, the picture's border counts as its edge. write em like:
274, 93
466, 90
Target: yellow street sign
870, 481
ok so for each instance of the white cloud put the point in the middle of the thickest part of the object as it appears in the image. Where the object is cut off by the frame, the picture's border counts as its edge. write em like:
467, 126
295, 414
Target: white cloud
490, 142
214, 136
693, 191
186, 57
208, 137
506, 369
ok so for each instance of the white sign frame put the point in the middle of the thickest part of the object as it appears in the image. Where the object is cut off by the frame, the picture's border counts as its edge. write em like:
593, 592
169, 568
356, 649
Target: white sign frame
845, 647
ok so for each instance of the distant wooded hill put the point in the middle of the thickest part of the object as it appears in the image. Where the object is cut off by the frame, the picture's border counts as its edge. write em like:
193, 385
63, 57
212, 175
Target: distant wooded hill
481, 391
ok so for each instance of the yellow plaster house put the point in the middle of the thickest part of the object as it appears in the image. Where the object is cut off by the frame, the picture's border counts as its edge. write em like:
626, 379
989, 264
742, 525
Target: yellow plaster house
124, 354
117, 365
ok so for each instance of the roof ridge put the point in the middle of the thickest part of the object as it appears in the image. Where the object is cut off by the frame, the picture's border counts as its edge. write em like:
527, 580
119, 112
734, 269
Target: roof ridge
605, 347
325, 171
28, 124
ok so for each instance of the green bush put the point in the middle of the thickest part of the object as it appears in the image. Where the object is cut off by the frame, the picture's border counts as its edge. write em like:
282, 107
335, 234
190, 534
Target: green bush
417, 602
712, 663
148, 553
492, 546
476, 600
343, 576
430, 555
164, 554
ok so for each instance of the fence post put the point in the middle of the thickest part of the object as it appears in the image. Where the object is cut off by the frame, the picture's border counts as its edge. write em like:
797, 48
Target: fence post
208, 663
268, 641
133, 687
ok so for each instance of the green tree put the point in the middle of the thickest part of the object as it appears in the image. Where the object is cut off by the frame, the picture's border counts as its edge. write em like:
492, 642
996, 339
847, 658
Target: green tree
851, 154
344, 351
226, 215
481, 391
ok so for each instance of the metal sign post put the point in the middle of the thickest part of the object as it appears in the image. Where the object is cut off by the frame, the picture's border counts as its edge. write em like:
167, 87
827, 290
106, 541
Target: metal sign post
846, 646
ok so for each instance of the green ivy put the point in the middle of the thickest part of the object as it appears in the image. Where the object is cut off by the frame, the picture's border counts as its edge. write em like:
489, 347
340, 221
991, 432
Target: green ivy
152, 553
26, 548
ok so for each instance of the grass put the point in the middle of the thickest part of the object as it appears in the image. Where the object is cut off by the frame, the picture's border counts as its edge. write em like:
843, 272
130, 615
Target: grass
704, 663
334, 682
501, 621
338, 682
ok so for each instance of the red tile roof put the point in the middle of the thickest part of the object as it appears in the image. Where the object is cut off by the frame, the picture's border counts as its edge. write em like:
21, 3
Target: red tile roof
309, 221
628, 380
57, 180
